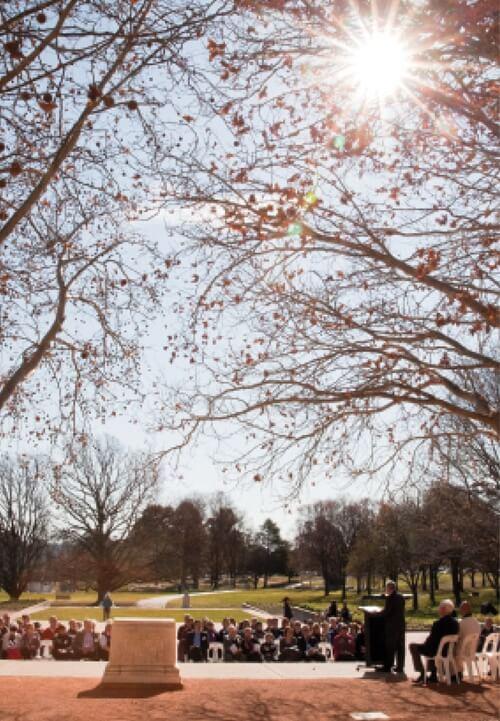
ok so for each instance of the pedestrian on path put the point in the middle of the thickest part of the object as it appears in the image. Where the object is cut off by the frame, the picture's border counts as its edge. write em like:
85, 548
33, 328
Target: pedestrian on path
107, 604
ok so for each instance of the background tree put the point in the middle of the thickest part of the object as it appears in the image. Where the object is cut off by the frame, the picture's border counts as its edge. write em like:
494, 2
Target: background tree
274, 550
224, 539
320, 543
24, 528
100, 493
95, 100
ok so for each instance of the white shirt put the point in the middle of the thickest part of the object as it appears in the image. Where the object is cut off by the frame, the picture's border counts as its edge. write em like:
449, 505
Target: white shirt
468, 625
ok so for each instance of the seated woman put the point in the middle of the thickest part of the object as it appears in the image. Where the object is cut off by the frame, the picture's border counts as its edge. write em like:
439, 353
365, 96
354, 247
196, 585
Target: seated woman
344, 647
308, 646
30, 642
250, 649
268, 648
232, 645
289, 651
105, 642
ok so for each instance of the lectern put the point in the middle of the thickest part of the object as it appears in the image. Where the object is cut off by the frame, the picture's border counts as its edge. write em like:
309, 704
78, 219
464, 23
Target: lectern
374, 636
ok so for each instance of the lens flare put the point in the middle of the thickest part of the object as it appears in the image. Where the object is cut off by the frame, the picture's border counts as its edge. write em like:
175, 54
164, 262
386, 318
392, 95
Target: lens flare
379, 64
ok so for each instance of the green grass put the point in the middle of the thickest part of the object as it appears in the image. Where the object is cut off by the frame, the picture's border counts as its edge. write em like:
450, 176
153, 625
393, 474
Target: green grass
79, 613
315, 600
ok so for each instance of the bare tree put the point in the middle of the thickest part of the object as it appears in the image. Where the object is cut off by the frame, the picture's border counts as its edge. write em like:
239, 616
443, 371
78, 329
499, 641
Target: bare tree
345, 303
100, 491
320, 542
96, 98
24, 527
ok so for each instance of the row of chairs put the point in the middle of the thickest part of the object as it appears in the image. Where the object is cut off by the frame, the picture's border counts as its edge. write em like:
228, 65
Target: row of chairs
486, 661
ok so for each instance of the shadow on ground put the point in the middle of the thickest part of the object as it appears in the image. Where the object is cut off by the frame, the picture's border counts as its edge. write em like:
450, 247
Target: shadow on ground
128, 691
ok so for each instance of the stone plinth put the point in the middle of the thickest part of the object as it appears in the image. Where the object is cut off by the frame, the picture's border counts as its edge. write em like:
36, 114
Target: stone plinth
143, 651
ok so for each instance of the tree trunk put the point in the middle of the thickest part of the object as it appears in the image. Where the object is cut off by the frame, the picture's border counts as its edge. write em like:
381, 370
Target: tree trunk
436, 579
414, 590
473, 578
326, 581
369, 582
461, 579
424, 578
358, 585
455, 580
344, 590
432, 580
255, 580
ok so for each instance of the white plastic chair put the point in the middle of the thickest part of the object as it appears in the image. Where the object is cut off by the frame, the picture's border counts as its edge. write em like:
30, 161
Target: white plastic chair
467, 655
215, 652
489, 657
46, 648
444, 664
326, 649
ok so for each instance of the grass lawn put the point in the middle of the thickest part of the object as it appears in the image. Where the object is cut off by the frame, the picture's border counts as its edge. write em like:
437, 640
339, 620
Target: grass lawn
85, 597
79, 613
313, 599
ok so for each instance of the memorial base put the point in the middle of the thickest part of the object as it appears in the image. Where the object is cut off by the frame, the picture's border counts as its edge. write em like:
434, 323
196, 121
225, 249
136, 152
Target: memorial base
143, 653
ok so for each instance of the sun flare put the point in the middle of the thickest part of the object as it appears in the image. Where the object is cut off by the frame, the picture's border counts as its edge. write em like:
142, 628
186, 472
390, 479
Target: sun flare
379, 65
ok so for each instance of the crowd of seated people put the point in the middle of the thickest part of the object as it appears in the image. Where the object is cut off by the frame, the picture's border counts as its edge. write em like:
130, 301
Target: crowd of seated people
287, 640
24, 639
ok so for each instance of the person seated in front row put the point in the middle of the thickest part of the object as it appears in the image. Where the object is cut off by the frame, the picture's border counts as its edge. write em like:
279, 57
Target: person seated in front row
85, 644
308, 646
12, 643
105, 642
445, 625
250, 649
197, 643
344, 646
268, 648
289, 650
232, 645
30, 642
62, 645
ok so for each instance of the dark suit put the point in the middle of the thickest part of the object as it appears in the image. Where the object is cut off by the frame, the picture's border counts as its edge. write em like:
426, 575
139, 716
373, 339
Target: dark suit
444, 626
394, 630
197, 653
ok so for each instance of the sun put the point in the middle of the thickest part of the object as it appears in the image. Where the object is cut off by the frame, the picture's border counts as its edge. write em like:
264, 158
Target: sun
379, 65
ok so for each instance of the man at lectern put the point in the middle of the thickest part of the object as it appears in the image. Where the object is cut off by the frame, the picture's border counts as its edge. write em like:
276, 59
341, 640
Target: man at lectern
394, 630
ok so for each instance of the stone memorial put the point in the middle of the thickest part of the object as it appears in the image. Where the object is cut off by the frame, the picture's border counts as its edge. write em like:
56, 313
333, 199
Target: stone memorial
143, 651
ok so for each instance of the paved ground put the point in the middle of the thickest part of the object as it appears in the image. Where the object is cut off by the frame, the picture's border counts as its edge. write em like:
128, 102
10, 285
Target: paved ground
238, 700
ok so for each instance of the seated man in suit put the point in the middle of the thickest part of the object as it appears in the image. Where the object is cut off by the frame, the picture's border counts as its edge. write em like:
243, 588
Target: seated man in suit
444, 626
197, 643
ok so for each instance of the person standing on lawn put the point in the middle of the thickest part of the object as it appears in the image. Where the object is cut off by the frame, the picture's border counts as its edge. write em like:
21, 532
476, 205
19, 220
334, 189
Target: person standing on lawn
107, 604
